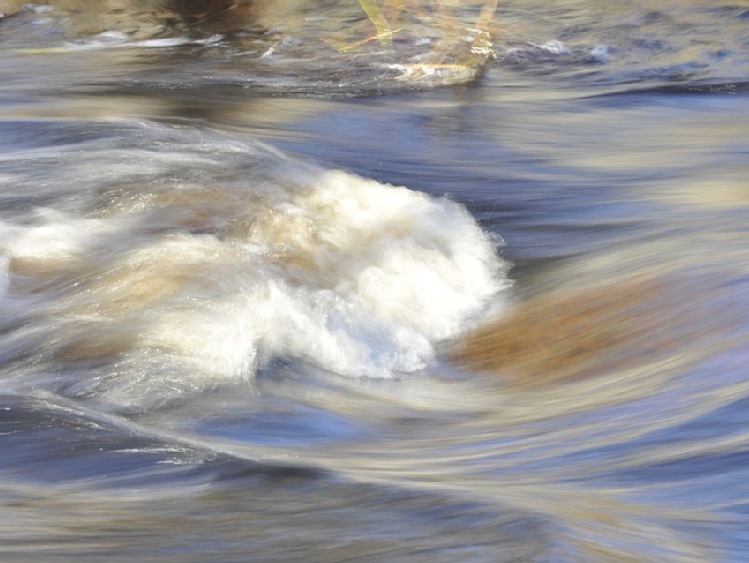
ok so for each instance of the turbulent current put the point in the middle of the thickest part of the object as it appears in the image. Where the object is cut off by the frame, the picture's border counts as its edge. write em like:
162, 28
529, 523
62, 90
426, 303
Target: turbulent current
304, 281
183, 260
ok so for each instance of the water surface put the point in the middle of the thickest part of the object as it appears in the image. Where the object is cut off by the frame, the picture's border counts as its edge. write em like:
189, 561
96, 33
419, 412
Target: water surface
264, 300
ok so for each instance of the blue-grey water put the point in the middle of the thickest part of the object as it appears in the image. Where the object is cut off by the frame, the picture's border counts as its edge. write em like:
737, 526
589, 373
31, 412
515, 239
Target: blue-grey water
267, 301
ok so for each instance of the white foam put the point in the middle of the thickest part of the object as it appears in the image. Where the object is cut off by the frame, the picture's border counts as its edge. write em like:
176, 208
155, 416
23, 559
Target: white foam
117, 39
555, 47
197, 284
600, 54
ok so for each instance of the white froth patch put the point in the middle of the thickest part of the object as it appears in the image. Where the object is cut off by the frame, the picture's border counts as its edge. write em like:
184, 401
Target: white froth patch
412, 260
200, 285
52, 235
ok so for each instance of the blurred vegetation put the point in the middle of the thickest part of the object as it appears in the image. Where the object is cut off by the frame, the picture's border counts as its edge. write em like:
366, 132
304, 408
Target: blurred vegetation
432, 41
440, 13
456, 35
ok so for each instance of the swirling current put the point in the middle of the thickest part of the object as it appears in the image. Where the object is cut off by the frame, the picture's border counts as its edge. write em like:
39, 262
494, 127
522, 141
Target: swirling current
281, 281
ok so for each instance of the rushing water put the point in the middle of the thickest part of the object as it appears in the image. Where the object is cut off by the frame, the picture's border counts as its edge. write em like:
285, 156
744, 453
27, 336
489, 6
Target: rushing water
229, 333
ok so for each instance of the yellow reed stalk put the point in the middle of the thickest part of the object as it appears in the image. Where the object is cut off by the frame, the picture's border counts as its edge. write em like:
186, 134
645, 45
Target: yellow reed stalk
384, 31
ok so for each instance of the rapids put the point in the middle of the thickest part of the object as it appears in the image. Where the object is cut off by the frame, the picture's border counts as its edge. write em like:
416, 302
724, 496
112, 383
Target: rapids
274, 289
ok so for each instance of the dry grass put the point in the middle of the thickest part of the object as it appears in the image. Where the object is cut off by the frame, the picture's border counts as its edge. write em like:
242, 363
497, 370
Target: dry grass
461, 42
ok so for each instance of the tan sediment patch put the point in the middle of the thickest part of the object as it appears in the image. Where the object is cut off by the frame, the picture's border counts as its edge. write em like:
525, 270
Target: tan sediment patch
99, 346
575, 334
109, 311
42, 267
286, 230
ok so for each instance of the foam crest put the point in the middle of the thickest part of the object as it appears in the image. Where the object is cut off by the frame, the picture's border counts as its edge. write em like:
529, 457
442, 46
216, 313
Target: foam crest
182, 286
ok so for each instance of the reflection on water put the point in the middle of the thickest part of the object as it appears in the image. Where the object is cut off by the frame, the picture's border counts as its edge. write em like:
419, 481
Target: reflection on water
216, 345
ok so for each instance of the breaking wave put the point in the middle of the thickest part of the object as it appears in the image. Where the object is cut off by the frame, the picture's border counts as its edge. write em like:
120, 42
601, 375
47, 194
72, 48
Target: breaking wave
168, 268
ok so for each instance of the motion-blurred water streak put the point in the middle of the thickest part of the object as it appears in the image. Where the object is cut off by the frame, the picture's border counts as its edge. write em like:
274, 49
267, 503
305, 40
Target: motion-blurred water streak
269, 294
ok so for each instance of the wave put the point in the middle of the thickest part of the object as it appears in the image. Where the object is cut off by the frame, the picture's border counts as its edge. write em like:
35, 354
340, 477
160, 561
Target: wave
155, 261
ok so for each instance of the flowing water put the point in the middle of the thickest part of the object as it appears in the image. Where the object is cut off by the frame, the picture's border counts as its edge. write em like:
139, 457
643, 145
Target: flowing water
263, 300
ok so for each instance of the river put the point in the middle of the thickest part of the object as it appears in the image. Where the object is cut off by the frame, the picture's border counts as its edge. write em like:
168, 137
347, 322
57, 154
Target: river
276, 289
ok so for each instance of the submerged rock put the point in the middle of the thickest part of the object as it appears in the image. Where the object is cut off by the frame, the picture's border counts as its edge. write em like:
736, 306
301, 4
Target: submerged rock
600, 330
